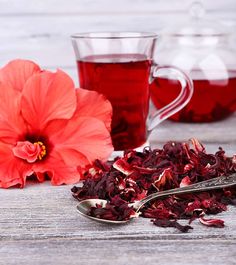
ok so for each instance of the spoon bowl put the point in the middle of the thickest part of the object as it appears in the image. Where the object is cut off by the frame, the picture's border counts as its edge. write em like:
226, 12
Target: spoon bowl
84, 206
216, 183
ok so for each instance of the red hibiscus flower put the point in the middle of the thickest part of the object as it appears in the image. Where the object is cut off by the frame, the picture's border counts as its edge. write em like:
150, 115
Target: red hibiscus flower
47, 127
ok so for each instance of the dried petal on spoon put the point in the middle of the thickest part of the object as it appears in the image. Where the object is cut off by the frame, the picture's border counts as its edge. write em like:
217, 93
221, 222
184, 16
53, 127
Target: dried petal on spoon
116, 210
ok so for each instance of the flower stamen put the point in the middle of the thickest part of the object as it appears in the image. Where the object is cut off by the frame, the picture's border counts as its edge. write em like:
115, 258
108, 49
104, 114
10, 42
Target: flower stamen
43, 150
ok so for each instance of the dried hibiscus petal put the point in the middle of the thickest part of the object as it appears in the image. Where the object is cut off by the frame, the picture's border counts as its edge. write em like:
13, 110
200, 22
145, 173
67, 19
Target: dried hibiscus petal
122, 166
116, 210
185, 182
165, 180
172, 223
212, 222
138, 174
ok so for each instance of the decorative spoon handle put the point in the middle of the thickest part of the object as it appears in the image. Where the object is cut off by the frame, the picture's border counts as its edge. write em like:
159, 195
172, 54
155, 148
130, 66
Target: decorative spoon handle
211, 184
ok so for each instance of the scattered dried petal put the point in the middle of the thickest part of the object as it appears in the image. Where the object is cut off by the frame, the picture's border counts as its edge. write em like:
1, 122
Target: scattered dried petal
212, 222
172, 223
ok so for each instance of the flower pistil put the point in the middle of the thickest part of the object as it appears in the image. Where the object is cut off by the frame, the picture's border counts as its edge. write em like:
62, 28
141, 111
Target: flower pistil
31, 152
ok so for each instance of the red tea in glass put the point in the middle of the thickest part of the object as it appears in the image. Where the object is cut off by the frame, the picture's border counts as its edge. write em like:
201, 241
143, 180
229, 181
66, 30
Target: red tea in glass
118, 65
213, 99
123, 79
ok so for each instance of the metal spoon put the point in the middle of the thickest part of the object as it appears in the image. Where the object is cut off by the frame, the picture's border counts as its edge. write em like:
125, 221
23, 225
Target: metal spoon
216, 183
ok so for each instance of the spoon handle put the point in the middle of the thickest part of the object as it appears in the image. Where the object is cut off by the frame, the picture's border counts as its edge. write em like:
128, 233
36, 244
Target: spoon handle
211, 184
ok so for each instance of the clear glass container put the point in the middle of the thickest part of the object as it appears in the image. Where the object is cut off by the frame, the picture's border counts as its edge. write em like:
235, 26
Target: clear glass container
203, 50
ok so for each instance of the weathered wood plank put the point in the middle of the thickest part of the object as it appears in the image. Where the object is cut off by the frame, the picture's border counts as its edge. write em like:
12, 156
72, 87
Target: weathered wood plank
47, 40
25, 7
121, 252
50, 46
56, 26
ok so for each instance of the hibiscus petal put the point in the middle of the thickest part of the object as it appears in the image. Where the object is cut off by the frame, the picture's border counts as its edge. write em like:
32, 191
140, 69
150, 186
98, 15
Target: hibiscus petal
185, 182
212, 222
48, 96
163, 178
59, 172
93, 104
13, 171
17, 72
40, 176
72, 157
88, 136
64, 175
11, 122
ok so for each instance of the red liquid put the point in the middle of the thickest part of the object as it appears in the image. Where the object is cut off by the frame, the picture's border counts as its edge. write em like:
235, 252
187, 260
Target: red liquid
212, 99
123, 79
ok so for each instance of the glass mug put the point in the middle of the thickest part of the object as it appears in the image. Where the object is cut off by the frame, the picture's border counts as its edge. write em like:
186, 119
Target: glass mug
119, 65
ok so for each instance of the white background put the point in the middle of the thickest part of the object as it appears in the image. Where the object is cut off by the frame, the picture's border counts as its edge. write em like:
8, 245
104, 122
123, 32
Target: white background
40, 29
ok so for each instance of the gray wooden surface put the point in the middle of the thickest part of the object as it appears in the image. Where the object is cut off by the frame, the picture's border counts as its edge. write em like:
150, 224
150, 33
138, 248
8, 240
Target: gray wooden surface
39, 224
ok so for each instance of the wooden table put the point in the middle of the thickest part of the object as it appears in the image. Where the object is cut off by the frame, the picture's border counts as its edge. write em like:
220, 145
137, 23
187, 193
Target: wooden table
39, 224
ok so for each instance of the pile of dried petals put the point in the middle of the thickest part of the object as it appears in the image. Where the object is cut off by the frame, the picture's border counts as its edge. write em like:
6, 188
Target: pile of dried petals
139, 174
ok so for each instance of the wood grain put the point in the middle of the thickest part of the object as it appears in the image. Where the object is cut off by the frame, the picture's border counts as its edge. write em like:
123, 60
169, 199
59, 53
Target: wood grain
106, 252
24, 7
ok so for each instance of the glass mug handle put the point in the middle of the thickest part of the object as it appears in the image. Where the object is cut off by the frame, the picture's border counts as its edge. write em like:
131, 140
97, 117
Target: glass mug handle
178, 103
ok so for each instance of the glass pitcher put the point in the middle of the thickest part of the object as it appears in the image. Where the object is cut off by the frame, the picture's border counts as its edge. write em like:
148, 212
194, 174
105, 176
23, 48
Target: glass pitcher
203, 50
